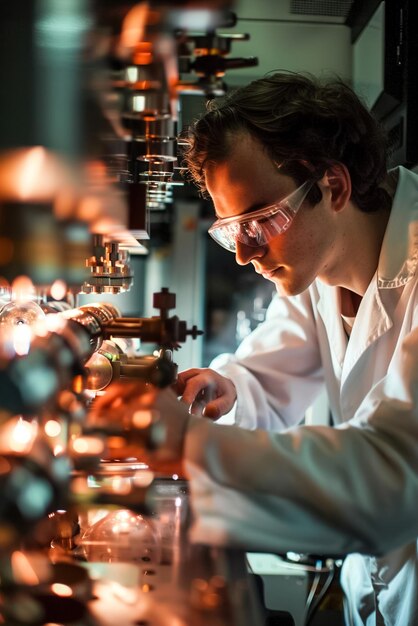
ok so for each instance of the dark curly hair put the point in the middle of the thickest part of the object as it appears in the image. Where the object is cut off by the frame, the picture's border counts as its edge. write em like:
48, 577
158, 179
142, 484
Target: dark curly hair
299, 119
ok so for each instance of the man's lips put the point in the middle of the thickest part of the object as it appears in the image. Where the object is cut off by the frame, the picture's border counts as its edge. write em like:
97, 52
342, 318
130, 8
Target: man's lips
267, 273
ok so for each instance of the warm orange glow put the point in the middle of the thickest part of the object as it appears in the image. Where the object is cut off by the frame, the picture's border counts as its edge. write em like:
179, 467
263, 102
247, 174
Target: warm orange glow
96, 171
23, 571
89, 208
106, 225
143, 478
32, 174
144, 47
79, 486
23, 289
64, 204
133, 26
121, 485
31, 170
78, 384
88, 445
58, 290
143, 58
142, 419
18, 435
148, 397
116, 442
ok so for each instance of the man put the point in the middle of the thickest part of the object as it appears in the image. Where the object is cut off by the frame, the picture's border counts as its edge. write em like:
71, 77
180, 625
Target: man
296, 169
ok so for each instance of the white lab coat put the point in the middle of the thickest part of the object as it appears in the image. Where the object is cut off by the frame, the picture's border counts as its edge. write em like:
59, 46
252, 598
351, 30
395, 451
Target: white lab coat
348, 489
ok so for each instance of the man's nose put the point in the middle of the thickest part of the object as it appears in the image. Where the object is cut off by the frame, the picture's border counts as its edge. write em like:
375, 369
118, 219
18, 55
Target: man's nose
245, 254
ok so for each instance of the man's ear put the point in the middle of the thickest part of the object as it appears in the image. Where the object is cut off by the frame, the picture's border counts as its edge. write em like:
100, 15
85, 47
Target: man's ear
338, 179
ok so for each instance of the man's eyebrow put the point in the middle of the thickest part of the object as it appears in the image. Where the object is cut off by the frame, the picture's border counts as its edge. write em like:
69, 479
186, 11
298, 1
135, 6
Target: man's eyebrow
254, 207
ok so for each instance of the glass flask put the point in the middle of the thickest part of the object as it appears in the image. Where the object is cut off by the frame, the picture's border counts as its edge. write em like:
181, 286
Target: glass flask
122, 536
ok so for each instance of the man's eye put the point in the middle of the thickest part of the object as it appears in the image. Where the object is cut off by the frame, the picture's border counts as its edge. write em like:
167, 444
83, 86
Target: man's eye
251, 228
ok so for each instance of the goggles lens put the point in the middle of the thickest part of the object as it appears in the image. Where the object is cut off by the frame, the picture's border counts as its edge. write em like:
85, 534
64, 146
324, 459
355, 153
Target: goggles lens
256, 229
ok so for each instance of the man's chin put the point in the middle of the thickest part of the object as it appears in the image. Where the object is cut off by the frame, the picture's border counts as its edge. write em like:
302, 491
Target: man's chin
287, 288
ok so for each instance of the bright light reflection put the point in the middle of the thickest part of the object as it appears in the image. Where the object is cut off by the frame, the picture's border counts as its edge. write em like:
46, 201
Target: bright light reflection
58, 290
31, 171
142, 418
58, 449
132, 74
18, 435
22, 289
121, 485
61, 590
80, 446
122, 522
88, 445
138, 103
19, 318
52, 428
22, 337
33, 174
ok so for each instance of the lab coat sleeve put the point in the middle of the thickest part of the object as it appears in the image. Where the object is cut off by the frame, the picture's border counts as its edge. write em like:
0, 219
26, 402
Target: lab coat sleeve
277, 369
353, 488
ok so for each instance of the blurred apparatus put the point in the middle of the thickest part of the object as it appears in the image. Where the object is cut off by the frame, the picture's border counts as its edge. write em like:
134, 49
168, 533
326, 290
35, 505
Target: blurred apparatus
88, 127
52, 364
88, 153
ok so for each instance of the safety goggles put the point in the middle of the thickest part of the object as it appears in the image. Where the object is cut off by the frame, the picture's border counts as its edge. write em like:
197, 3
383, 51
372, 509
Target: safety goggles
257, 228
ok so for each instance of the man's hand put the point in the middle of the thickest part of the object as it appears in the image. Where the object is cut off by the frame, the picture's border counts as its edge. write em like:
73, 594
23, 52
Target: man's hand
206, 392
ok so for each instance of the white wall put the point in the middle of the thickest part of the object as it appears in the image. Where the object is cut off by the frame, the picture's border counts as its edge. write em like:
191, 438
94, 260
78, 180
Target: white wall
281, 40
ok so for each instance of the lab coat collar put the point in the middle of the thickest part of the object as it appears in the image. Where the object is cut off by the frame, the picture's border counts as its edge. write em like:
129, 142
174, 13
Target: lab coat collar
327, 305
372, 321
397, 264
